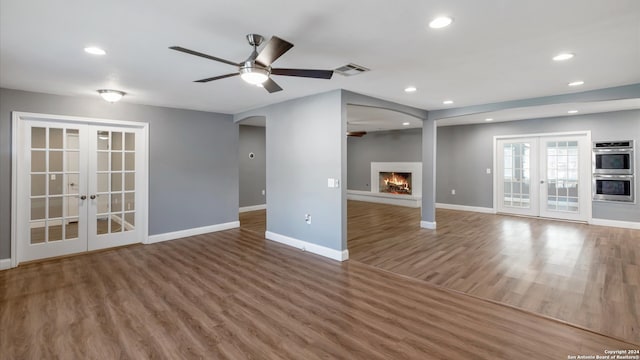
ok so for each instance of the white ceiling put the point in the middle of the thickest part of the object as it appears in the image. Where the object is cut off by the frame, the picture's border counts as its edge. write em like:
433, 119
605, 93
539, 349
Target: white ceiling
495, 50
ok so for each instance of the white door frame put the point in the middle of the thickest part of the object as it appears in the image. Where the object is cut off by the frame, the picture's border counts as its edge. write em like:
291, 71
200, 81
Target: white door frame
16, 147
587, 133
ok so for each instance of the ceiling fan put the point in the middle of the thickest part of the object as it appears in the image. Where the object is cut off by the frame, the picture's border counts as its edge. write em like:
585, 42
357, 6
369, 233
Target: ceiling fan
256, 70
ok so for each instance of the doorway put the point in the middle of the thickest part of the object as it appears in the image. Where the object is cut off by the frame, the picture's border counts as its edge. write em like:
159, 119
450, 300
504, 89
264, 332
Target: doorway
79, 185
544, 175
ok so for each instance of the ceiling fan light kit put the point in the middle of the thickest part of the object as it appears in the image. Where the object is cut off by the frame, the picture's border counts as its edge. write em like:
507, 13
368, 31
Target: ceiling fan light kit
256, 69
254, 75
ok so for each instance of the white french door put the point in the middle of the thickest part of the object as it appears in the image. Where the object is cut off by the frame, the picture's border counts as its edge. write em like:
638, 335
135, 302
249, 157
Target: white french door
547, 176
79, 187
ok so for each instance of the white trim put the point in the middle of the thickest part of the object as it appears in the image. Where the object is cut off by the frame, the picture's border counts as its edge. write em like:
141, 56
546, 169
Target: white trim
18, 116
307, 246
478, 209
252, 208
14, 187
428, 225
78, 119
5, 264
615, 223
192, 232
382, 198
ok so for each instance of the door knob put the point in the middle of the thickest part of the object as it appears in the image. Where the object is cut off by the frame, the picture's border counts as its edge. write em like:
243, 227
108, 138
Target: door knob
83, 197
92, 197
541, 181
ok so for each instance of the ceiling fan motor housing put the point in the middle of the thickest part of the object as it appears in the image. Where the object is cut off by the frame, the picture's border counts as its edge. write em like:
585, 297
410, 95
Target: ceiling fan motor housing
255, 39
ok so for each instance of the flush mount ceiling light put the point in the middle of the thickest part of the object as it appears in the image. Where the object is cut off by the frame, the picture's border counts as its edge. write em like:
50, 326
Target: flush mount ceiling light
572, 112
440, 22
448, 102
406, 123
410, 89
111, 95
254, 75
563, 56
93, 50
576, 83
488, 119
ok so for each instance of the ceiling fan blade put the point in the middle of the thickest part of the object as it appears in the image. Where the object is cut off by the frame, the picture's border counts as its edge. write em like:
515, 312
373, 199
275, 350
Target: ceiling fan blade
216, 78
273, 50
192, 52
271, 86
317, 74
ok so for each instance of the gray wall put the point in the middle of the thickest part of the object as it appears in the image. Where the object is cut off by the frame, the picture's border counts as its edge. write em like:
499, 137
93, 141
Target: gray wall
380, 146
252, 171
465, 151
305, 143
193, 164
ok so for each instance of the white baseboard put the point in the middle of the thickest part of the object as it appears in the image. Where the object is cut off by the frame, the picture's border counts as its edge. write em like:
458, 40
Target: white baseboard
428, 225
307, 246
479, 209
5, 264
381, 198
616, 223
252, 208
192, 232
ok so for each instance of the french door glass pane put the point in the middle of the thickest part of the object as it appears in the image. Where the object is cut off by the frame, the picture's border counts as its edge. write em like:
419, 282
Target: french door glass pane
562, 176
54, 183
116, 177
517, 174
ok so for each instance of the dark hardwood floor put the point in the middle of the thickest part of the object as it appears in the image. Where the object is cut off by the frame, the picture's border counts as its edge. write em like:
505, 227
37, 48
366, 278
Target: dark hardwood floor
584, 275
580, 274
234, 295
255, 221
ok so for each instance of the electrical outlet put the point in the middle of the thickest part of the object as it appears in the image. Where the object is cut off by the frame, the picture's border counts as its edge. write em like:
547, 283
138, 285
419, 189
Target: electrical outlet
488, 170
307, 218
453, 191
263, 192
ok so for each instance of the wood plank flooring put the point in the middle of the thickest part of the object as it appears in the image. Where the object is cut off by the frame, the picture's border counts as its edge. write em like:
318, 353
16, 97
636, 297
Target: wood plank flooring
255, 221
580, 274
234, 295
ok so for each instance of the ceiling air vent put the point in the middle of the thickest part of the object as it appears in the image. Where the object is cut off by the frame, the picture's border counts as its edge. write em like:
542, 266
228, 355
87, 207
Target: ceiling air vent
351, 69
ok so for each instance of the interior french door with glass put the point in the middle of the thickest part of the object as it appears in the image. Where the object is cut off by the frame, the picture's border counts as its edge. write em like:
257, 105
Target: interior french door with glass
547, 176
78, 187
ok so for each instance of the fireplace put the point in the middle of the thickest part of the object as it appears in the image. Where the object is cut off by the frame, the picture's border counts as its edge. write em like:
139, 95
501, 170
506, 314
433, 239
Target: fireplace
395, 182
407, 182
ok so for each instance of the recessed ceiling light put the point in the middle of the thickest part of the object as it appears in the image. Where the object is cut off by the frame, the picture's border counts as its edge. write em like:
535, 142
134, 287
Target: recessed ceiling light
410, 89
572, 111
448, 102
94, 50
576, 83
488, 119
406, 123
440, 22
563, 56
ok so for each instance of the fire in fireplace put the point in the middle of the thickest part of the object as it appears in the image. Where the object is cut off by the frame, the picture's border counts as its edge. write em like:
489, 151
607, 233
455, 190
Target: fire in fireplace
395, 182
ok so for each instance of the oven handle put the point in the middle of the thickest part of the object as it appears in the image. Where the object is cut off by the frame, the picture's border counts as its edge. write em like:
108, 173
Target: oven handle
620, 177
601, 150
